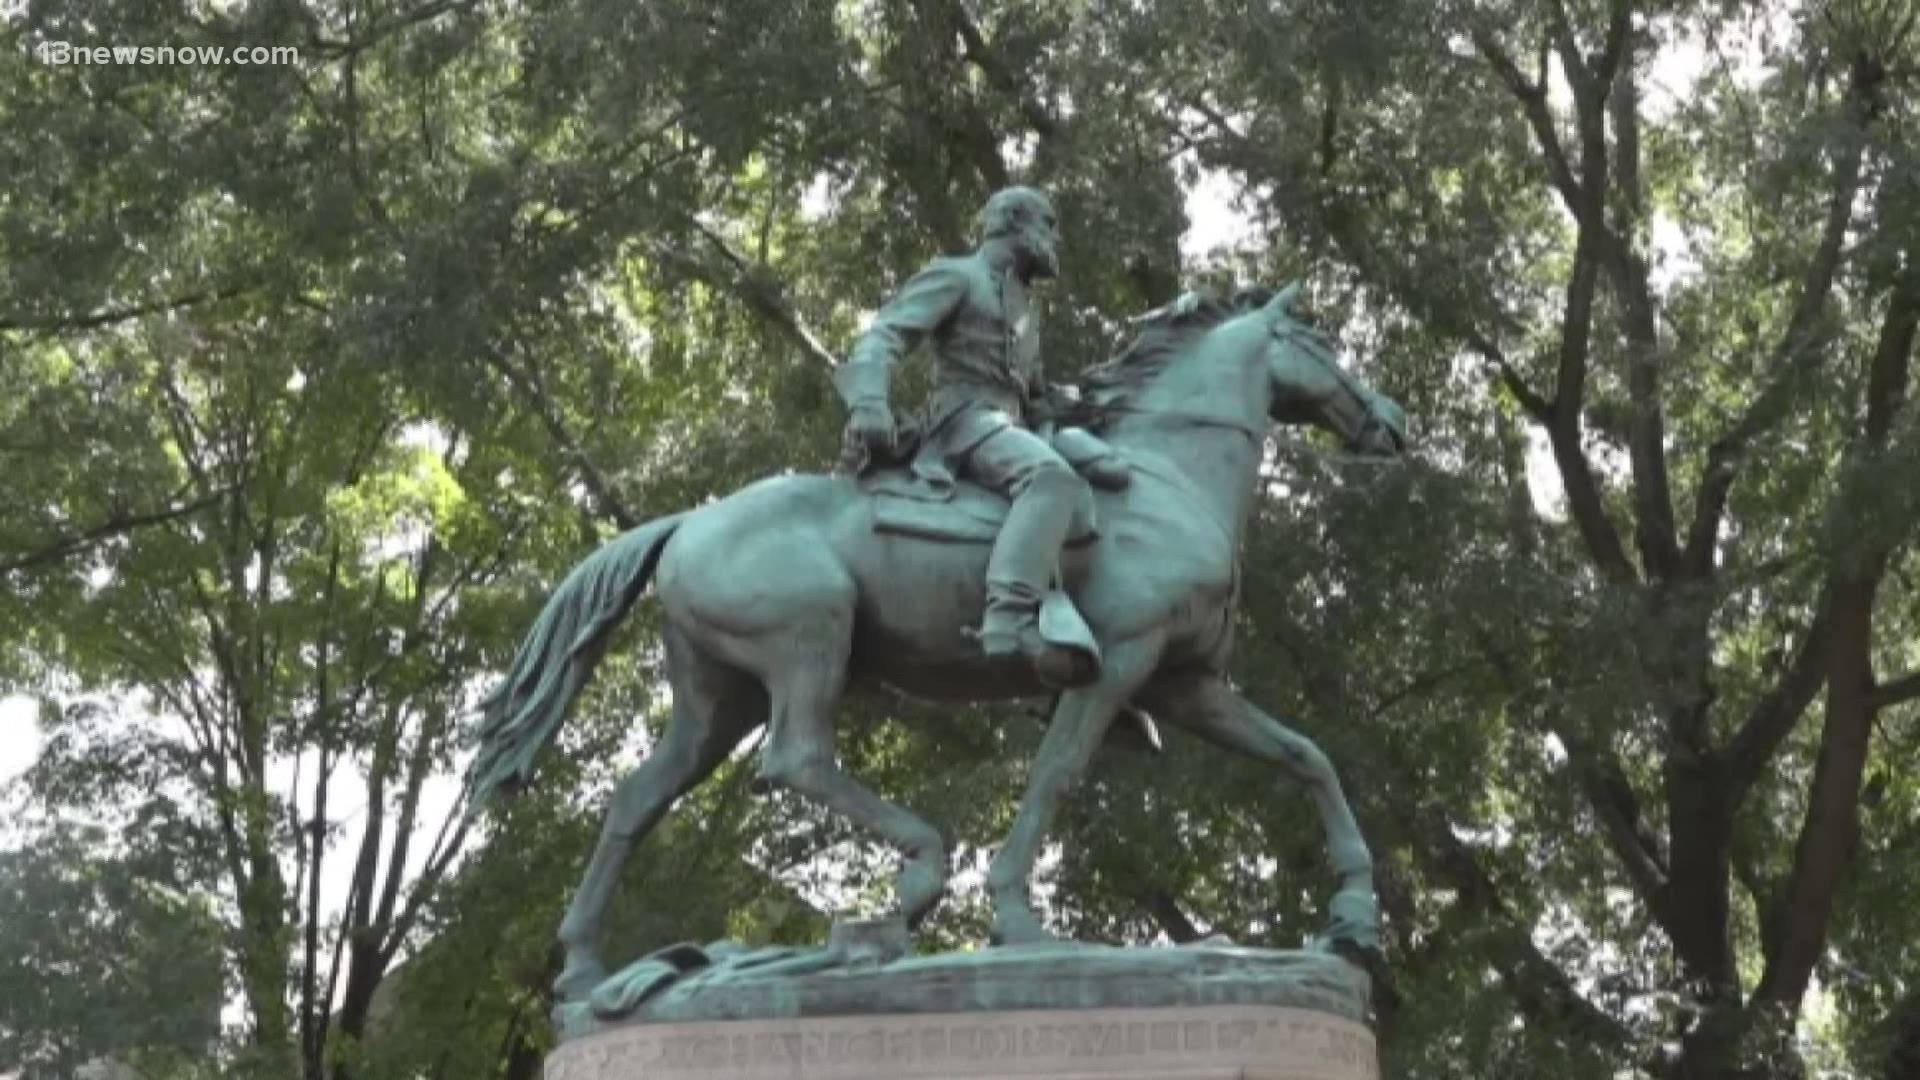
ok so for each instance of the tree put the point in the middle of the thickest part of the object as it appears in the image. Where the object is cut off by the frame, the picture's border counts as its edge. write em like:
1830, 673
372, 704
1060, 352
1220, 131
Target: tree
104, 956
1488, 183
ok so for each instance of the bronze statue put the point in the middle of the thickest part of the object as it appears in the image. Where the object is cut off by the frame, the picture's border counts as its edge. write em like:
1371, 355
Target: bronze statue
779, 595
987, 381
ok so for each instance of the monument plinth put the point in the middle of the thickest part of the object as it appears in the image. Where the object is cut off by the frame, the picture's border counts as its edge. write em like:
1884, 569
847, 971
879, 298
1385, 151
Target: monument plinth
1062, 1012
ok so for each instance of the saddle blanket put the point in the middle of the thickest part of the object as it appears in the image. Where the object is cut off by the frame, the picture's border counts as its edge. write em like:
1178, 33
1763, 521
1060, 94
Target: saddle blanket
972, 515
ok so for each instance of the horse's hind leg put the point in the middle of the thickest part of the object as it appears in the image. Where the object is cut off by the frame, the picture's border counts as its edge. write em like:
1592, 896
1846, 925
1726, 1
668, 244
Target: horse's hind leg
714, 707
805, 671
1204, 704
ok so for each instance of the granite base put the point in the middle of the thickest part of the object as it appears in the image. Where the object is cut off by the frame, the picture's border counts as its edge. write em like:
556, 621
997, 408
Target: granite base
1208, 1042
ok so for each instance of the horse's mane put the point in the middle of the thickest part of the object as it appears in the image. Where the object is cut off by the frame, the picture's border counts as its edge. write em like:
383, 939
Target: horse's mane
1165, 335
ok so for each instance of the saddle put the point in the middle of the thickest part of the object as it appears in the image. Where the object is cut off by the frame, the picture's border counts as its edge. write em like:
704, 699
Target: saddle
967, 513
912, 499
964, 513
907, 501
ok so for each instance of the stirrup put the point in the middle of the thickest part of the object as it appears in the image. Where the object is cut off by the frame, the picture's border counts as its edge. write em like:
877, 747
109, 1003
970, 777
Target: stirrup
1055, 666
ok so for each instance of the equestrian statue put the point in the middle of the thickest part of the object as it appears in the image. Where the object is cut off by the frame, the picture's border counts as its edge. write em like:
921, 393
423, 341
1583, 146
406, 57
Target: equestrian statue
967, 558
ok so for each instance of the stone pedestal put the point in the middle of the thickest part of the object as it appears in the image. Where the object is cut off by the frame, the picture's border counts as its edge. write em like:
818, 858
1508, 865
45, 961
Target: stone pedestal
1220, 1042
1060, 1013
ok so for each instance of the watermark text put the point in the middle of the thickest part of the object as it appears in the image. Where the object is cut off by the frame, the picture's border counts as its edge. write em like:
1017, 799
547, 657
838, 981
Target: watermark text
66, 53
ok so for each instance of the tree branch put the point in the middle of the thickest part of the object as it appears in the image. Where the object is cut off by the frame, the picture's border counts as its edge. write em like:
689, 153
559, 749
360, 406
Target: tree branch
1584, 197
1173, 922
109, 316
1564, 430
1615, 51
755, 284
1799, 350
1537, 408
983, 56
1775, 714
312, 1011
1533, 103
1538, 984
1611, 796
1829, 829
115, 525
530, 387
1896, 691
447, 846
1654, 531
1829, 832
1609, 793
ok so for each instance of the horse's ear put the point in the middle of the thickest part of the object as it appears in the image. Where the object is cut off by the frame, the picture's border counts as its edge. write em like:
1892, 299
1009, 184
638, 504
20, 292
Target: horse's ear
1179, 307
1282, 303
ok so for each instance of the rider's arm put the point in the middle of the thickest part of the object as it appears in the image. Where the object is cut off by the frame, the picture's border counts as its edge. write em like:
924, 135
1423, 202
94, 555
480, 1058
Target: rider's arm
923, 304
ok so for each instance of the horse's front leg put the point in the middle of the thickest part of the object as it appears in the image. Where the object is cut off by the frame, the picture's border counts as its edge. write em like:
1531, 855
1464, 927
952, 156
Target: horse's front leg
1079, 723
1205, 704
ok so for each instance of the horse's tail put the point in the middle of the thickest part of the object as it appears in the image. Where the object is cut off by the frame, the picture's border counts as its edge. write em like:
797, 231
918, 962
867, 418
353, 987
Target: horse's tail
559, 654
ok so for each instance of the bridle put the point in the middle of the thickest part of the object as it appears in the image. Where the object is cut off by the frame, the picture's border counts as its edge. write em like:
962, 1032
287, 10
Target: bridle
1257, 435
1305, 340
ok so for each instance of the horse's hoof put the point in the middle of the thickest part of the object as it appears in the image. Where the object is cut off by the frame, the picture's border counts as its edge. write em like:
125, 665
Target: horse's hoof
577, 983
922, 883
869, 942
1019, 926
1370, 959
1354, 919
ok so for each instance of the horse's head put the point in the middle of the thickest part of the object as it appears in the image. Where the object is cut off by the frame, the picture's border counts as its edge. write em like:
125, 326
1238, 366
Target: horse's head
1309, 386
1241, 364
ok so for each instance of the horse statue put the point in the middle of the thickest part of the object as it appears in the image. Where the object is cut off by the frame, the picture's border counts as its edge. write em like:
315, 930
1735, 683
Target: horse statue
779, 595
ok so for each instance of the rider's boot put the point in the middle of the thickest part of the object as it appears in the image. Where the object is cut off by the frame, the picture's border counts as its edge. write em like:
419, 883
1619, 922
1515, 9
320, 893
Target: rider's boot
1021, 569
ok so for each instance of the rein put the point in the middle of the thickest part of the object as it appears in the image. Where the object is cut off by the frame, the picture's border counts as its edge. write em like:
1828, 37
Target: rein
1304, 339
1315, 346
1258, 435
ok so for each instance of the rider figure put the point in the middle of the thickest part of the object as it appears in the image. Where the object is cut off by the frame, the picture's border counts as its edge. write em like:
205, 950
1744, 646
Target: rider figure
987, 382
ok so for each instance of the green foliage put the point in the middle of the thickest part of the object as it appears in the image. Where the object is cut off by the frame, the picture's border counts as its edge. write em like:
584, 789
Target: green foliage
104, 956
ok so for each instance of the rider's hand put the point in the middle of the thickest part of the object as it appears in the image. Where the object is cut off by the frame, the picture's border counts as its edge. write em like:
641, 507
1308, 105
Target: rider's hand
871, 426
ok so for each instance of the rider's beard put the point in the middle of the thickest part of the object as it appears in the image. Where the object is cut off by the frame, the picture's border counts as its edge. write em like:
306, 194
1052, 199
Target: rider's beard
1043, 256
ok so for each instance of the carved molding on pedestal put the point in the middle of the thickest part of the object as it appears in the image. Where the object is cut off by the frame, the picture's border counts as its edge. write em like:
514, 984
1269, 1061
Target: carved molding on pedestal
1254, 1042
